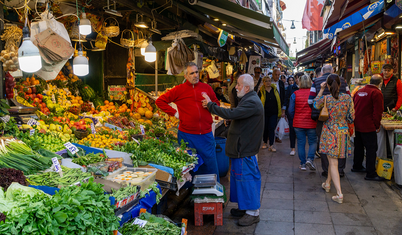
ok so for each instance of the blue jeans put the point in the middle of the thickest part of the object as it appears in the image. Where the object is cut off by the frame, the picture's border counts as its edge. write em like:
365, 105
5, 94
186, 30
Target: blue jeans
301, 134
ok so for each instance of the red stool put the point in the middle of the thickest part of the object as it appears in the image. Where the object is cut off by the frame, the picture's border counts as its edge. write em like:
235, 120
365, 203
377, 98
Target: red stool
213, 208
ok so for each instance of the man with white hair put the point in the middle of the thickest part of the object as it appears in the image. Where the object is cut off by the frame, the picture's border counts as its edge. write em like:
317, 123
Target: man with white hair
243, 143
326, 71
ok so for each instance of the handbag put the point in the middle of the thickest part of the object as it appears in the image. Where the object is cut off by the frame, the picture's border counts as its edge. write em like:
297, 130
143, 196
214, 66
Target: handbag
324, 115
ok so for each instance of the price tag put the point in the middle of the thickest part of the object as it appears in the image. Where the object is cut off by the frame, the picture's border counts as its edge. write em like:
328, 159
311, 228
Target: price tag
5, 118
53, 98
93, 128
138, 142
32, 121
31, 132
142, 129
71, 147
57, 166
140, 222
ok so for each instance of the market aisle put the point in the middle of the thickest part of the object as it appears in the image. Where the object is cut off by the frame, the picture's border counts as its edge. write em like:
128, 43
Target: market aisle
294, 203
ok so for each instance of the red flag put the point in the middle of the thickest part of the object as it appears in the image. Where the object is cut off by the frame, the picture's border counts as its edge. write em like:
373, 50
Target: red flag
311, 18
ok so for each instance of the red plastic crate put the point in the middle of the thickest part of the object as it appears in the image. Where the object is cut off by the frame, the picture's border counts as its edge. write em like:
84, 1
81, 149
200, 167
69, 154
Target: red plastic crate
214, 208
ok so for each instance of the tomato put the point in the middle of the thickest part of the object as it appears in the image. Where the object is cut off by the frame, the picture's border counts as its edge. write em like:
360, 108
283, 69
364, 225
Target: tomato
29, 91
40, 96
82, 122
43, 105
34, 96
36, 100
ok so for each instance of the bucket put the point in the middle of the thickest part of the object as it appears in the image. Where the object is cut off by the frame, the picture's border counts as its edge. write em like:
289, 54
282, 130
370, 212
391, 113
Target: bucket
221, 158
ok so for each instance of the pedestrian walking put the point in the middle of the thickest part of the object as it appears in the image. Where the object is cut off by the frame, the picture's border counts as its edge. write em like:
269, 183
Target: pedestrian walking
243, 143
272, 111
335, 137
289, 92
300, 113
280, 87
290, 80
195, 126
369, 104
316, 86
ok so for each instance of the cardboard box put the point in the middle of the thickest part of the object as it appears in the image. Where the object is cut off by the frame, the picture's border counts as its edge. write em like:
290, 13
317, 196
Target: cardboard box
161, 175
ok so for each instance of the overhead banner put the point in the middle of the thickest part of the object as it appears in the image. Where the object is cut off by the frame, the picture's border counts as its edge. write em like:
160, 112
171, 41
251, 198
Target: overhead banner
363, 14
312, 20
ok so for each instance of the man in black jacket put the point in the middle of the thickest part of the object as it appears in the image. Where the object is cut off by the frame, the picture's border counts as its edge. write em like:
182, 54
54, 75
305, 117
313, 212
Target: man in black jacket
243, 143
326, 71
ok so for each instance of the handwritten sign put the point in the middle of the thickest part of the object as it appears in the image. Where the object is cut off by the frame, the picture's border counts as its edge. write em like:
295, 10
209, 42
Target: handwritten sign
57, 166
31, 132
32, 121
140, 222
5, 118
142, 129
135, 140
72, 148
93, 129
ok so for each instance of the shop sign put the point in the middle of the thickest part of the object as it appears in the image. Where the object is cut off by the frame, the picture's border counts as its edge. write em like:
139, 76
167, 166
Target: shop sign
223, 37
116, 92
349, 68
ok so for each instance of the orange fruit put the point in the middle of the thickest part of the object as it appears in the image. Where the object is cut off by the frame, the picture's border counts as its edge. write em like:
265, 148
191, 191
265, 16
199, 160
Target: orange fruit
137, 116
141, 111
148, 114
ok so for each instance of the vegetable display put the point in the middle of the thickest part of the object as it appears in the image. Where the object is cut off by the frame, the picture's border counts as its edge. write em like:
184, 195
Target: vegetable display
153, 187
47, 141
75, 210
9, 175
89, 159
16, 154
53, 179
155, 226
124, 192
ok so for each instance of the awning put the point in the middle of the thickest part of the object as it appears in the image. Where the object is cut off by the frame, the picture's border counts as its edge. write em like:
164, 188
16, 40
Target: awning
317, 47
341, 9
363, 14
268, 51
247, 23
347, 33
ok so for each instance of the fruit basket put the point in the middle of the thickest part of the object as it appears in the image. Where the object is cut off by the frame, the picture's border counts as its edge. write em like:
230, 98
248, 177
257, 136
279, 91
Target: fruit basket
81, 134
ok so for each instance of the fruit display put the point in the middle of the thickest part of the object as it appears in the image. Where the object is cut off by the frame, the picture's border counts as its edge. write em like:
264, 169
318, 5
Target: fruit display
121, 122
86, 107
87, 92
52, 141
102, 141
10, 84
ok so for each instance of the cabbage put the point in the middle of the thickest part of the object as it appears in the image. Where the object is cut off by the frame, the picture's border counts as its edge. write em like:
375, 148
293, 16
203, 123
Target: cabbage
18, 192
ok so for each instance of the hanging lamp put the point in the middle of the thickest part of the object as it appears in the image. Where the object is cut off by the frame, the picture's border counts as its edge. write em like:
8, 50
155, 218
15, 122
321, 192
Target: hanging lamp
143, 46
85, 25
293, 25
150, 53
80, 63
28, 54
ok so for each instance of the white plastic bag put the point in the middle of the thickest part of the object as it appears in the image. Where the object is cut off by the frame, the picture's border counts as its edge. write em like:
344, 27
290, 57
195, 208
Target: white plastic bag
282, 129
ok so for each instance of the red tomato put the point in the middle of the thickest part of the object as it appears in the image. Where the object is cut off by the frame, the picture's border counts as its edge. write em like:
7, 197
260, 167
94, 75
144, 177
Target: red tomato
40, 96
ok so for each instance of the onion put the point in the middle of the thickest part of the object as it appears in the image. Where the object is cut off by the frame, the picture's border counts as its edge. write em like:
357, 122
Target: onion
6, 56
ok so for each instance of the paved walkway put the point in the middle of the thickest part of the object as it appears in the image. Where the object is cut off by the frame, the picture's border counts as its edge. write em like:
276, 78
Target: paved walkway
293, 202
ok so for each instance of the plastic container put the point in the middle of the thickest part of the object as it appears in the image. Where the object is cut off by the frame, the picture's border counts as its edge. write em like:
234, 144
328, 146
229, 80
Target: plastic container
398, 165
204, 180
144, 183
221, 158
385, 168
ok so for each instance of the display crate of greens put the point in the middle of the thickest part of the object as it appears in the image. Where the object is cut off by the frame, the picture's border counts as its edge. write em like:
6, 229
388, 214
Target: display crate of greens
142, 177
125, 195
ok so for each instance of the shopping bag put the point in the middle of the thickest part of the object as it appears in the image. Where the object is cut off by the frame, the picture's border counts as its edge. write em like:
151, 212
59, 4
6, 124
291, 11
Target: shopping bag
282, 129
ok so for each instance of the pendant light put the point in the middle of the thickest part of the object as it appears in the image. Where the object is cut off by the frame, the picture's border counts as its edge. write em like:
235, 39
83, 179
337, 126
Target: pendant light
140, 23
150, 53
28, 54
143, 46
293, 25
85, 25
80, 64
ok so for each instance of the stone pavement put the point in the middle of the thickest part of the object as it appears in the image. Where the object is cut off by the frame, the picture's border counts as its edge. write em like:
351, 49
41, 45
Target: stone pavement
293, 202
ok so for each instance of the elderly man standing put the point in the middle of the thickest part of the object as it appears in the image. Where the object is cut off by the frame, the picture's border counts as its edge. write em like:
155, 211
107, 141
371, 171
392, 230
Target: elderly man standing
369, 105
326, 71
243, 143
195, 126
391, 89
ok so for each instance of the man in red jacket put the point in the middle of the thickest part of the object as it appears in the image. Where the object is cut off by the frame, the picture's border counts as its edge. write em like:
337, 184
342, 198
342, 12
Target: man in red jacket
369, 104
195, 126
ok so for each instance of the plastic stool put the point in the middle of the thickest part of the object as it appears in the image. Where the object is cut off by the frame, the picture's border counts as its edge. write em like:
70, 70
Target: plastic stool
212, 208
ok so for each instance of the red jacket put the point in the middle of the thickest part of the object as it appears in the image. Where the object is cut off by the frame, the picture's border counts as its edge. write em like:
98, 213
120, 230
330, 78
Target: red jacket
302, 118
194, 119
369, 105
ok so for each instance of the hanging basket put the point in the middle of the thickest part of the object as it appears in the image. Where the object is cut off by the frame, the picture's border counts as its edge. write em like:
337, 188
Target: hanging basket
74, 34
101, 41
141, 38
127, 42
112, 30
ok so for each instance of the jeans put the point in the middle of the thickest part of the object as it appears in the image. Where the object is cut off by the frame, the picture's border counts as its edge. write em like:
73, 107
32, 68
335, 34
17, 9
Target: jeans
292, 134
269, 128
366, 140
301, 134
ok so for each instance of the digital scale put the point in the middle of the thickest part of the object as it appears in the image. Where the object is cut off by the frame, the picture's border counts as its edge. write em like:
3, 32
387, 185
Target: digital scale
207, 184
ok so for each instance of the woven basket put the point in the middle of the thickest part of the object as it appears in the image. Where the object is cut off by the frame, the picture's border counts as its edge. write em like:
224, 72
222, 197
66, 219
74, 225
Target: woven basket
141, 38
127, 42
81, 134
112, 30
74, 33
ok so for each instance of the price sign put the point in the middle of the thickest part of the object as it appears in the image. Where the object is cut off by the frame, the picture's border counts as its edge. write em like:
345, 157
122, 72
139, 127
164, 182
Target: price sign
142, 129
31, 132
53, 98
32, 121
140, 222
138, 142
5, 118
93, 128
71, 147
57, 166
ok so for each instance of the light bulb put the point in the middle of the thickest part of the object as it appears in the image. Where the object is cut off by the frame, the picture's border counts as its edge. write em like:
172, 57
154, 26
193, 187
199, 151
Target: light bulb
80, 65
143, 46
150, 53
28, 55
85, 25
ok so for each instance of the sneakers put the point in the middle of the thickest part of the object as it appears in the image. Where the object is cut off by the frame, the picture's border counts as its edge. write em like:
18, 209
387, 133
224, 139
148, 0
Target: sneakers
310, 165
248, 220
237, 212
292, 153
303, 167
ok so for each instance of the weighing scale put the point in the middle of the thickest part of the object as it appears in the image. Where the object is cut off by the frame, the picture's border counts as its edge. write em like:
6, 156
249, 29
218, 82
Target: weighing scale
22, 113
207, 184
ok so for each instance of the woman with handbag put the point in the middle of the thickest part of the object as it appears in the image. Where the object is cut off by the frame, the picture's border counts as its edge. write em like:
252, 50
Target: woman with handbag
337, 111
272, 111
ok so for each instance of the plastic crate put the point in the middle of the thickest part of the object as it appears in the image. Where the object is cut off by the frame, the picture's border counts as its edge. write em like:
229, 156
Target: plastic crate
145, 183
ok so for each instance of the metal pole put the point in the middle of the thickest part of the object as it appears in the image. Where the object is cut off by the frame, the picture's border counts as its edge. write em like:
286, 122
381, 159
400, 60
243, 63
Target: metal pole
156, 75
2, 82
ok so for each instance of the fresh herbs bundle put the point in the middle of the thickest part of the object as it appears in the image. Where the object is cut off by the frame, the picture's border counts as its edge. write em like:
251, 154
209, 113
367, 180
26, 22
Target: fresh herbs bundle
154, 226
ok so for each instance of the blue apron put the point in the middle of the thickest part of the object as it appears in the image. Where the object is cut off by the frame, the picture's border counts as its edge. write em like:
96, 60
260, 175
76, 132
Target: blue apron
205, 146
245, 183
